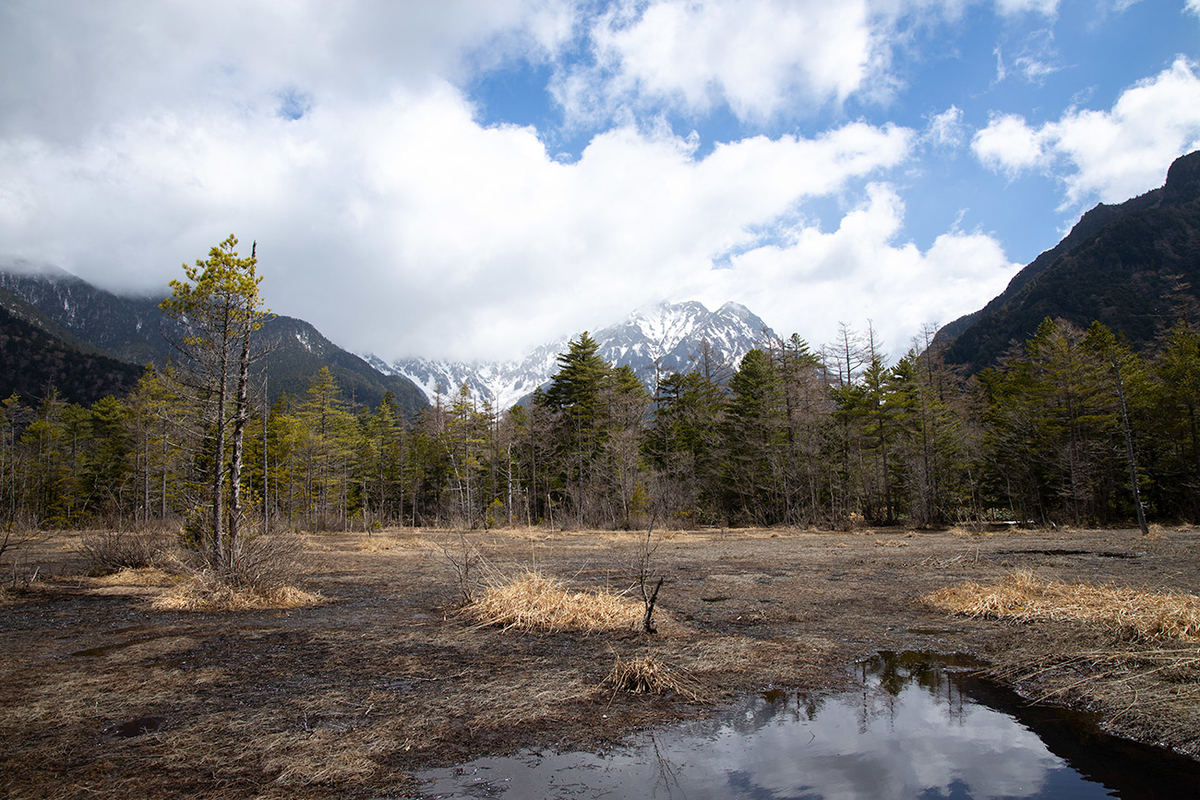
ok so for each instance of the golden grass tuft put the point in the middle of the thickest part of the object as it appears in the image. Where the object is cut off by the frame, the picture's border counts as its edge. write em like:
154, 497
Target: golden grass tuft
206, 592
1129, 613
649, 675
535, 602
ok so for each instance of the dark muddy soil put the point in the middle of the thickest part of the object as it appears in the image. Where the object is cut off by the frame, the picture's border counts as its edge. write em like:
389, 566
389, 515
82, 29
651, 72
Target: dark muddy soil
102, 696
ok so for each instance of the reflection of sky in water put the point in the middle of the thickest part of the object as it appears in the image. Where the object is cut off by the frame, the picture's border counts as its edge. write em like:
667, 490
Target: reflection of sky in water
920, 739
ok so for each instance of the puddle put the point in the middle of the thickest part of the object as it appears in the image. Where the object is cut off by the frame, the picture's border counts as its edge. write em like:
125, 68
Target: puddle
1065, 552
135, 727
103, 650
916, 726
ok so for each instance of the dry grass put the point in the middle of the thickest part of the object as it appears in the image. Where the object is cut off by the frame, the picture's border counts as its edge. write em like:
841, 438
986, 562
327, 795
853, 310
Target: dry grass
649, 675
140, 576
1127, 613
206, 591
386, 543
534, 602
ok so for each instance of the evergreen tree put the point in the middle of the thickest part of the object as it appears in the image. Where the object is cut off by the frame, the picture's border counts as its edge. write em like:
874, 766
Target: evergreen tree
1178, 369
219, 306
755, 440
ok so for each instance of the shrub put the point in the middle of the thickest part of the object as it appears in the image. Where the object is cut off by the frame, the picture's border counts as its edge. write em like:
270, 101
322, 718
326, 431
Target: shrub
107, 552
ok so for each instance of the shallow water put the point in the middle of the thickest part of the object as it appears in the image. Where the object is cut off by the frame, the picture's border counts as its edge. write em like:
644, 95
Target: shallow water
917, 726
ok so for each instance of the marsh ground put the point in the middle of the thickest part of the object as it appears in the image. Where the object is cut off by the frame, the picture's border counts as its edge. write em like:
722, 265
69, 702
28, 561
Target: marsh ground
101, 695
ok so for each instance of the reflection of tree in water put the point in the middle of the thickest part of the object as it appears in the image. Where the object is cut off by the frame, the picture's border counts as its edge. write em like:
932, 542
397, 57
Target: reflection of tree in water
754, 712
667, 776
884, 676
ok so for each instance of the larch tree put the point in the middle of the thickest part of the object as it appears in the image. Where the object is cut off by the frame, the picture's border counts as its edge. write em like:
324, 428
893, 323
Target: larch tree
219, 308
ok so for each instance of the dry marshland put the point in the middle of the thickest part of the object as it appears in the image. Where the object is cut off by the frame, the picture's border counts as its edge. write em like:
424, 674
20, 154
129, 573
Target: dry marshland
122, 686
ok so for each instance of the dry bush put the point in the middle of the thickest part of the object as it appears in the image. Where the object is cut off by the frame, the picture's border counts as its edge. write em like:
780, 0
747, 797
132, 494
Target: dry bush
107, 552
207, 591
535, 602
1127, 613
464, 561
649, 675
260, 575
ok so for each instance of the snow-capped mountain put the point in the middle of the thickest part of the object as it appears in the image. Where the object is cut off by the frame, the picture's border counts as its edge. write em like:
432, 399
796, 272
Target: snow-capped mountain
665, 337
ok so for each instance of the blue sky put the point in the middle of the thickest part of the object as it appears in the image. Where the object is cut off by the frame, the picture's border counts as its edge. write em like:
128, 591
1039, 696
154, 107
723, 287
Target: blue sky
470, 179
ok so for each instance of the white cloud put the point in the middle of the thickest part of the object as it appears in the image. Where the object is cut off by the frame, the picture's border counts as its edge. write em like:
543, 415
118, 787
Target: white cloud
1105, 155
1193, 6
69, 67
406, 227
946, 129
761, 58
1009, 144
861, 272
1047, 8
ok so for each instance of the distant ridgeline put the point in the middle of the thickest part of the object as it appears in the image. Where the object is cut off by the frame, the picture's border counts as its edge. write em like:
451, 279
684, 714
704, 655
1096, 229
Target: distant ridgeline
1135, 267
60, 330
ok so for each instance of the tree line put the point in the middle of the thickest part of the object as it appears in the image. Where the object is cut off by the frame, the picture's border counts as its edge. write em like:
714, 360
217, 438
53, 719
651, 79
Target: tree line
1061, 431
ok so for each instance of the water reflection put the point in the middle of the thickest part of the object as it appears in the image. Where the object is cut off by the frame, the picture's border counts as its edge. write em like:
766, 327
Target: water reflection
913, 728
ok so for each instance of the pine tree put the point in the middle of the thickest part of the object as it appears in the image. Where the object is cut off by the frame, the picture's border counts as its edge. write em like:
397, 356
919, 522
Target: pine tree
574, 399
219, 307
755, 440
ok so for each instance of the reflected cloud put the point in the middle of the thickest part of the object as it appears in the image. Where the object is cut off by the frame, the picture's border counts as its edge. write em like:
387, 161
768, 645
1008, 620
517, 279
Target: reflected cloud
907, 731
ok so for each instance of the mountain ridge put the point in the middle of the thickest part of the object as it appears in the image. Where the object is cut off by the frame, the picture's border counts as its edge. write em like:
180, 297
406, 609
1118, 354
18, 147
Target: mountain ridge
1130, 265
660, 337
133, 330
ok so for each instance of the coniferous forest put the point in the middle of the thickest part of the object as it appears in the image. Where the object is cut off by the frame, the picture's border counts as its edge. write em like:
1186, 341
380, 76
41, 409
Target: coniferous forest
794, 435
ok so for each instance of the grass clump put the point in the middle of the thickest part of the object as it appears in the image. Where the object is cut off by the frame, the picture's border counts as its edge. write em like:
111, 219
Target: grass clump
534, 602
259, 575
1126, 613
649, 675
207, 591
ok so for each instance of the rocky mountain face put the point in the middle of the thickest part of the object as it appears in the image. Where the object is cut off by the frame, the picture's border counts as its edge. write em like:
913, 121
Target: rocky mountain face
665, 337
134, 331
1134, 266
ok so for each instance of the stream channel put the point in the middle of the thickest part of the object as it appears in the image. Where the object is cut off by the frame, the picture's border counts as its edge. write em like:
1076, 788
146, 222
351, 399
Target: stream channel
918, 725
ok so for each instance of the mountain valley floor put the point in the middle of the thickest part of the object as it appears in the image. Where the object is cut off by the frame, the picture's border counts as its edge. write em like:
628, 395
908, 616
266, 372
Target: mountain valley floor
102, 695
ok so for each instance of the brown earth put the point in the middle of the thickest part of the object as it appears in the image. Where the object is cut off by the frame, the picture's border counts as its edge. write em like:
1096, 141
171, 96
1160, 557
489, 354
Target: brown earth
102, 696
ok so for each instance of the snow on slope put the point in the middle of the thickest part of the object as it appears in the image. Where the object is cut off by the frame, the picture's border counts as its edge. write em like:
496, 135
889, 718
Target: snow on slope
666, 336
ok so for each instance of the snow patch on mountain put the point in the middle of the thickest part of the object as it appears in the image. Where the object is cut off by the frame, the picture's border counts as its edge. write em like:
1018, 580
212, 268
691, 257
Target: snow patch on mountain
655, 339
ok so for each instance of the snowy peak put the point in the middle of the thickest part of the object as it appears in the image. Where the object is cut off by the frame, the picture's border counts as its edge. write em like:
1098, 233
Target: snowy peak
660, 338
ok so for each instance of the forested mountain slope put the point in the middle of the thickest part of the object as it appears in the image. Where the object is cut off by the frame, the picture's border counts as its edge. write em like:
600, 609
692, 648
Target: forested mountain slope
1134, 267
133, 330
35, 356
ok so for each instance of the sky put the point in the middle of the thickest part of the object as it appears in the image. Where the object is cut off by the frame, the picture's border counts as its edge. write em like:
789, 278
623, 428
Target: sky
468, 179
